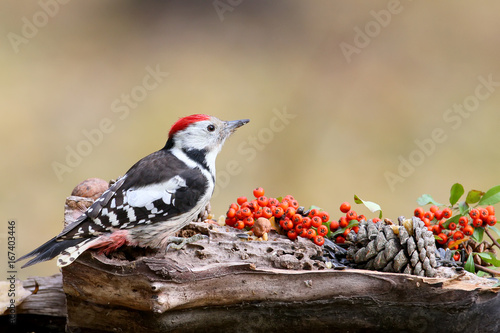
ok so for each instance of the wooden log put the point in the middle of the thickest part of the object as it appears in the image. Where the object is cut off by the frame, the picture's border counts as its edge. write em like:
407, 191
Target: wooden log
226, 284
42, 311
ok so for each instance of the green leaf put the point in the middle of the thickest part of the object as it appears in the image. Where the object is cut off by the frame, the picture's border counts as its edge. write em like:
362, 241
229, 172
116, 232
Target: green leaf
478, 234
469, 264
481, 273
426, 199
473, 196
491, 197
463, 208
372, 206
456, 191
451, 219
490, 258
495, 229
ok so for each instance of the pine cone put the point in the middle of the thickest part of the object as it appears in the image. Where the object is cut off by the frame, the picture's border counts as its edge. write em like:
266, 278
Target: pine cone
382, 246
475, 247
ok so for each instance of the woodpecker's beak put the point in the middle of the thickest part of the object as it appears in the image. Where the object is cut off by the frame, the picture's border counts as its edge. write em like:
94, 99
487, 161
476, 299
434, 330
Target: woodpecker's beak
231, 126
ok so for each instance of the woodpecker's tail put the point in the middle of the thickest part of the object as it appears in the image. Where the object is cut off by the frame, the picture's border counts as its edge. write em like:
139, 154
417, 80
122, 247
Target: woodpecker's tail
67, 248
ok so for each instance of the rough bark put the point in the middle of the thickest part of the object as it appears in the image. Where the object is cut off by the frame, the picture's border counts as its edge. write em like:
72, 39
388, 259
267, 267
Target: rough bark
42, 311
232, 285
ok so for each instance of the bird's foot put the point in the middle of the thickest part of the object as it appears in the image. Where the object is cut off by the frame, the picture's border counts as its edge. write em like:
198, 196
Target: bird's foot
178, 243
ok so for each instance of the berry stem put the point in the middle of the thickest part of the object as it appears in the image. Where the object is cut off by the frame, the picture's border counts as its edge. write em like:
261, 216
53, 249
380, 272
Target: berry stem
487, 270
492, 238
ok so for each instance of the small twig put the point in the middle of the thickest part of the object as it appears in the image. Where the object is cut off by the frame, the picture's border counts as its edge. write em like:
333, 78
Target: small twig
492, 238
487, 270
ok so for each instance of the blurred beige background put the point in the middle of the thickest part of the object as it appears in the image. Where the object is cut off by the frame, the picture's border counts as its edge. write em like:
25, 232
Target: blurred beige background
337, 94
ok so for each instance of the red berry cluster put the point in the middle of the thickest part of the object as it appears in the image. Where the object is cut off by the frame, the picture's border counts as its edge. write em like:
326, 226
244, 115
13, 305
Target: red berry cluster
293, 219
438, 221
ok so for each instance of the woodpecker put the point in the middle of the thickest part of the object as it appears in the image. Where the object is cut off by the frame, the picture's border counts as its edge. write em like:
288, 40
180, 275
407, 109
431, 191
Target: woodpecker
157, 196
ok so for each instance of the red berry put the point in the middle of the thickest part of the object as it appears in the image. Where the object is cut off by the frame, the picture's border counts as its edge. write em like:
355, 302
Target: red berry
375, 220
284, 205
262, 201
258, 214
253, 205
245, 212
258, 192
239, 224
231, 213
434, 209
490, 209
419, 212
319, 240
343, 222
474, 213
456, 257
306, 222
316, 221
483, 213
436, 229
230, 221
241, 200
428, 215
322, 230
355, 229
463, 221
438, 215
447, 213
324, 216
278, 212
290, 212
311, 233
443, 239
293, 203
346, 232
273, 202
313, 212
234, 206
249, 221
351, 215
491, 220
303, 233
299, 228
468, 230
340, 240
292, 234
458, 235
267, 212
334, 225
477, 222
287, 224
297, 219
345, 207
452, 226
426, 222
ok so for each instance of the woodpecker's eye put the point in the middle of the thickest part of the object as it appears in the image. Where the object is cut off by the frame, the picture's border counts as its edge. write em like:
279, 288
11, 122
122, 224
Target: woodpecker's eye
211, 128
